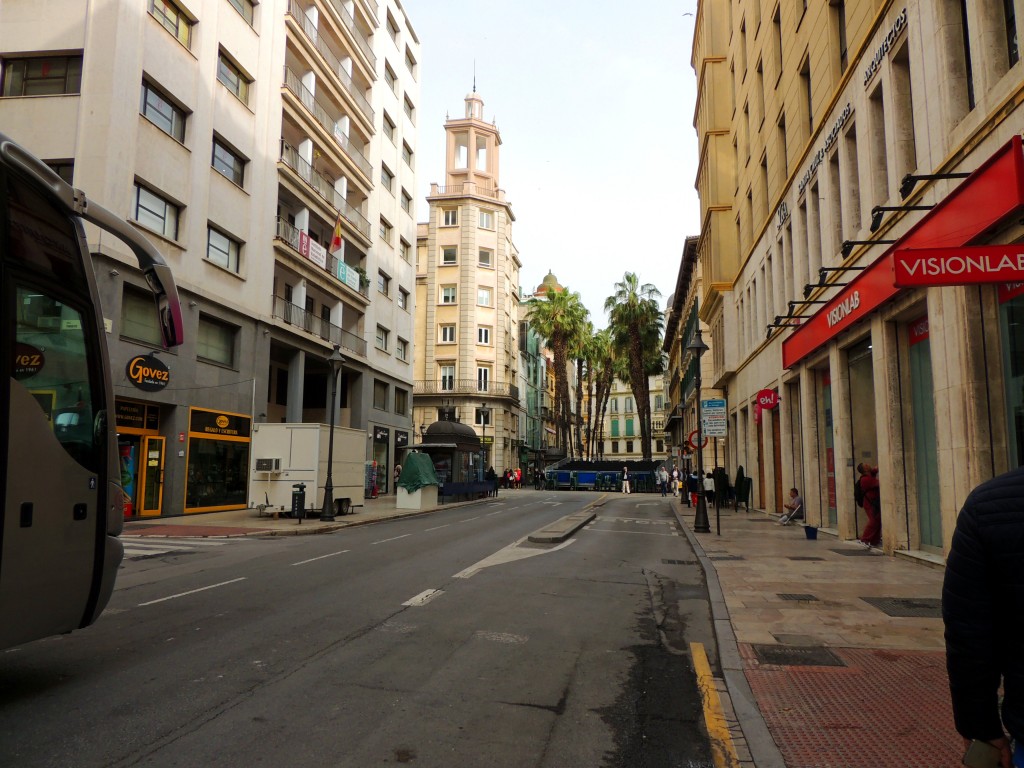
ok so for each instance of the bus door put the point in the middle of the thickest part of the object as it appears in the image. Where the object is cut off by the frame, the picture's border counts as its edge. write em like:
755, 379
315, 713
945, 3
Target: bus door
152, 480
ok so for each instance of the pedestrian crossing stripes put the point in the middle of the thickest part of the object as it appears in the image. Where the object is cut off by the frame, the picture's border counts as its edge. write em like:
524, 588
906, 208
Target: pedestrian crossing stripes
139, 548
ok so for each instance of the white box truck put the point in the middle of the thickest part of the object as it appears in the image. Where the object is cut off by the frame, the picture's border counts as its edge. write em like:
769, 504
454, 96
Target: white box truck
284, 455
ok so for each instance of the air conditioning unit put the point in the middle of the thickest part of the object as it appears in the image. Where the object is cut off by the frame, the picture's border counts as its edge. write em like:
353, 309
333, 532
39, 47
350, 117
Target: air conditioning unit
268, 465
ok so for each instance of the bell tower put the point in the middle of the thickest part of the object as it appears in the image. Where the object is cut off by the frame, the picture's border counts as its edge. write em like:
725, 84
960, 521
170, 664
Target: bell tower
472, 148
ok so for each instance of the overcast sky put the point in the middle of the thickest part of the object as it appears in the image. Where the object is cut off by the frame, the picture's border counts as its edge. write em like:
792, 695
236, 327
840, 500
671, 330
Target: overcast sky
594, 100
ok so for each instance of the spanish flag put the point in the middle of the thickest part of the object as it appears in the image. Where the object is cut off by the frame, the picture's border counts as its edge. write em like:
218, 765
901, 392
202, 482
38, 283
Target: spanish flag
336, 241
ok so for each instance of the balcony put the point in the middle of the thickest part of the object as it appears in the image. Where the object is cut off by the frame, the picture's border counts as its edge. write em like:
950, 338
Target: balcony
466, 387
350, 25
298, 317
468, 189
345, 274
297, 13
294, 84
325, 188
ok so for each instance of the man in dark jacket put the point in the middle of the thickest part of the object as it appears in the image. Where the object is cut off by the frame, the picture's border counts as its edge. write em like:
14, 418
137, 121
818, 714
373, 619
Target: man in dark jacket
983, 612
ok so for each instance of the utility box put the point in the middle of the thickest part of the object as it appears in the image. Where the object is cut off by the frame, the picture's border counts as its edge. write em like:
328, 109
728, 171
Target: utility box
303, 449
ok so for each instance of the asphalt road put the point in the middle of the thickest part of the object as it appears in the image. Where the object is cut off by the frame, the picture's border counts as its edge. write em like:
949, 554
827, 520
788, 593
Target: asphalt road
429, 641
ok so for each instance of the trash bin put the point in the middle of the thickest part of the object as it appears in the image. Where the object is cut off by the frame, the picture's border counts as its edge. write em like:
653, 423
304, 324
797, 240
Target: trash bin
811, 532
299, 500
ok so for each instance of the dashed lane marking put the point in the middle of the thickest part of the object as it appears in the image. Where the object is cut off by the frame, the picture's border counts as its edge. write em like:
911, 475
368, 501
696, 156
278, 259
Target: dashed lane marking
322, 557
191, 592
423, 598
393, 538
436, 528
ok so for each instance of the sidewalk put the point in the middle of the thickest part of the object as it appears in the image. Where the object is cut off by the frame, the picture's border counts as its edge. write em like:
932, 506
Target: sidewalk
833, 655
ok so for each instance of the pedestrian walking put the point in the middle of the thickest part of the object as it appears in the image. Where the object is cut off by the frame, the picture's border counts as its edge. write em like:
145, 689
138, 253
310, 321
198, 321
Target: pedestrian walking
675, 481
692, 484
982, 596
866, 494
625, 479
398, 474
709, 488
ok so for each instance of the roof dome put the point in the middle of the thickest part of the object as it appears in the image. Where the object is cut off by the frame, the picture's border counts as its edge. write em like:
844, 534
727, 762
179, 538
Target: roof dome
450, 428
549, 281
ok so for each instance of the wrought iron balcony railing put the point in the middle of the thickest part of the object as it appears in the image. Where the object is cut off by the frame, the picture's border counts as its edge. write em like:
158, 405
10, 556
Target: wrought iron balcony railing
317, 326
324, 187
466, 387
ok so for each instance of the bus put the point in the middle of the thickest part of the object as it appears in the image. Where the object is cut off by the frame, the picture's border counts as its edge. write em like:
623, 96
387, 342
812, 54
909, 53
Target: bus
59, 475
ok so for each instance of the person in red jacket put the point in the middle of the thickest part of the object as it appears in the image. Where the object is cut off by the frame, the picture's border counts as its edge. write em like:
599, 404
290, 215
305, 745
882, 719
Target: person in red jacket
868, 482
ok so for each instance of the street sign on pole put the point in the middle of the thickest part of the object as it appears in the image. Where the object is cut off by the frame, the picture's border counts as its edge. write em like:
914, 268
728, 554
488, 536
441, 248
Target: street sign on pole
714, 418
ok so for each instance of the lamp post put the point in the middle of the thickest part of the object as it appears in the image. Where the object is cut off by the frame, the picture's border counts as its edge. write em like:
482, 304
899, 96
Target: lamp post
327, 513
484, 412
700, 517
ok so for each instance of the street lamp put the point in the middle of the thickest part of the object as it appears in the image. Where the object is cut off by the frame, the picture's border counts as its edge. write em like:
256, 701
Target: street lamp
700, 518
484, 412
327, 513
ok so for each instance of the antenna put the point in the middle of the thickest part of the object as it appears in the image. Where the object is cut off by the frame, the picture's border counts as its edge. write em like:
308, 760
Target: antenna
474, 75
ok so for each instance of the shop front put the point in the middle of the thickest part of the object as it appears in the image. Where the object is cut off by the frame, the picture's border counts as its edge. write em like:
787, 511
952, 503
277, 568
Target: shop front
141, 451
217, 461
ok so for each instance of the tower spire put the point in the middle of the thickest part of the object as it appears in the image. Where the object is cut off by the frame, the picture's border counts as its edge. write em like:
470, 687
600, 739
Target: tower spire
474, 75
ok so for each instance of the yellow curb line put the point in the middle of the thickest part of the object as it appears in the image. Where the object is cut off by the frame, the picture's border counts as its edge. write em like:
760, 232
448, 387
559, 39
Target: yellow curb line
722, 750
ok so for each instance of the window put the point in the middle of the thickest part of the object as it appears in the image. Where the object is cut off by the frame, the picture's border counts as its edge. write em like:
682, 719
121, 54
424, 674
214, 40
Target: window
42, 76
155, 213
487, 219
402, 349
138, 320
839, 9
410, 110
658, 402
173, 19
629, 430
805, 78
615, 405
447, 294
383, 334
483, 297
385, 230
448, 334
483, 335
482, 417
159, 110
222, 250
659, 446
449, 255
629, 405
447, 378
1010, 22
451, 217
63, 168
777, 36
405, 250
387, 178
481, 153
244, 7
483, 379
403, 298
231, 77
615, 446
389, 78
486, 257
380, 395
228, 162
461, 150
629, 446
383, 283
615, 427
389, 127
215, 341
407, 154
401, 401
407, 202
410, 62
392, 28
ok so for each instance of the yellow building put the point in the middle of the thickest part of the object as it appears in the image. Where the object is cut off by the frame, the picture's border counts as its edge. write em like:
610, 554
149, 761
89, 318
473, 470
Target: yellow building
467, 302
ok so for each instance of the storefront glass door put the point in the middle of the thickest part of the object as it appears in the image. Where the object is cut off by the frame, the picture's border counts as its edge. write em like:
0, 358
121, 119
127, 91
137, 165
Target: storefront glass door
826, 446
1011, 330
925, 447
152, 475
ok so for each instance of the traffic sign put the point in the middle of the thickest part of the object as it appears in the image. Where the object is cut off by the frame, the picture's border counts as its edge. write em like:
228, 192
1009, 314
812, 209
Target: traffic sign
714, 421
692, 440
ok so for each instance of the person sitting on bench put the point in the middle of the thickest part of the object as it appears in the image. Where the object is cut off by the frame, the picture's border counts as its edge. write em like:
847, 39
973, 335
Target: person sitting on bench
794, 508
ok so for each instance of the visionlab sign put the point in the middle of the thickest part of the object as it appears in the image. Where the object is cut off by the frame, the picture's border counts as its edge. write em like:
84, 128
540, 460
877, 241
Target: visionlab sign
958, 266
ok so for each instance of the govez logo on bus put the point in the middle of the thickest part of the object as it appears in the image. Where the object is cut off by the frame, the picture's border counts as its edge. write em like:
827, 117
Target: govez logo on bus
147, 373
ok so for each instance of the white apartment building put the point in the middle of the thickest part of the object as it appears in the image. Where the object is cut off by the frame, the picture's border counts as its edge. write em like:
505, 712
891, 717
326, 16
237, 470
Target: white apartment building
236, 135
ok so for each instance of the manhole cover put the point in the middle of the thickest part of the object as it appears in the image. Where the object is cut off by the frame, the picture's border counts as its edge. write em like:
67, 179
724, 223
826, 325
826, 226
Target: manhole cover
678, 562
797, 656
805, 558
907, 607
794, 596
726, 557
854, 552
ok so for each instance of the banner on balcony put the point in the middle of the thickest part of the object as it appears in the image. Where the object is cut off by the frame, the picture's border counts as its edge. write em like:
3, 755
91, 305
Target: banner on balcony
347, 275
312, 250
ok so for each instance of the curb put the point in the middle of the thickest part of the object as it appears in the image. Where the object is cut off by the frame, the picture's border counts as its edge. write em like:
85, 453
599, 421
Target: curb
564, 527
763, 749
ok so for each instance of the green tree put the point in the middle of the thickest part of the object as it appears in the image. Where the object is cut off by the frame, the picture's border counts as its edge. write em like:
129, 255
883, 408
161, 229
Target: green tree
635, 320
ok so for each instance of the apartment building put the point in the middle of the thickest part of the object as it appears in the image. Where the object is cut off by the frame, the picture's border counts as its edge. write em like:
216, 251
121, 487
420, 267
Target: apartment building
837, 141
467, 294
620, 423
268, 150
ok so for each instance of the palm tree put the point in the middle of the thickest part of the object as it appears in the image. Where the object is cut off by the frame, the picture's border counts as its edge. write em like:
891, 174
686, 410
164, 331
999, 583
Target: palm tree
607, 367
579, 350
558, 318
636, 322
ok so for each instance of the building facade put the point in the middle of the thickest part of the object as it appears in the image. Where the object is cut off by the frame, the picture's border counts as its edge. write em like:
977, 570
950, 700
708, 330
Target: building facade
267, 149
621, 423
467, 302
838, 139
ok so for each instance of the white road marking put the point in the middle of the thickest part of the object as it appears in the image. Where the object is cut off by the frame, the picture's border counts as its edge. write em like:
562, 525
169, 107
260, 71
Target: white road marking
492, 514
192, 591
508, 554
438, 528
313, 559
395, 538
141, 548
423, 598
635, 533
468, 519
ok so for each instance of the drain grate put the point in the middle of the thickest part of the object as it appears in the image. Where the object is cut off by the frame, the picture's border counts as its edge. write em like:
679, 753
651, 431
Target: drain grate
726, 557
805, 558
797, 656
854, 552
907, 607
678, 562
797, 596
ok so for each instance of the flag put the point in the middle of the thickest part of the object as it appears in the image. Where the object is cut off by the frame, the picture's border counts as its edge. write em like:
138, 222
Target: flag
336, 241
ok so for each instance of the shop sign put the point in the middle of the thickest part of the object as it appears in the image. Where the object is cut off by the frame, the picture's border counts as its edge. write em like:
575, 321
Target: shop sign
401, 438
147, 373
28, 361
380, 434
312, 250
883, 50
215, 423
713, 417
918, 331
830, 139
959, 266
767, 398
347, 275
136, 415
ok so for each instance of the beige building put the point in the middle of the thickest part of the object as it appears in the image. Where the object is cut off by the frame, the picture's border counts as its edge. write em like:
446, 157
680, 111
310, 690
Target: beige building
836, 139
236, 135
467, 294
621, 423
